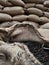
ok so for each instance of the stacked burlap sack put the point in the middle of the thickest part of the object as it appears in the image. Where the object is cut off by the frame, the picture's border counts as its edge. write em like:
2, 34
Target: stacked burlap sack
12, 14
16, 23
20, 21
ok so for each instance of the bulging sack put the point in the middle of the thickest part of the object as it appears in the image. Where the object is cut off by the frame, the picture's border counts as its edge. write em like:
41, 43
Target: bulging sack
5, 3
44, 20
28, 5
36, 25
17, 2
34, 11
8, 24
33, 18
45, 26
46, 14
41, 6
44, 33
5, 17
24, 32
13, 10
20, 18
46, 3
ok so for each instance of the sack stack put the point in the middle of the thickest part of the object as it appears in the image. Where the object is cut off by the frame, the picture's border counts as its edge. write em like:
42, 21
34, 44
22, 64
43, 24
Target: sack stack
38, 12
23, 20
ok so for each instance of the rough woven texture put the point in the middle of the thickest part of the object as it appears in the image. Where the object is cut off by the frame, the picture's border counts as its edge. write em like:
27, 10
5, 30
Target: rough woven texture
24, 20
18, 54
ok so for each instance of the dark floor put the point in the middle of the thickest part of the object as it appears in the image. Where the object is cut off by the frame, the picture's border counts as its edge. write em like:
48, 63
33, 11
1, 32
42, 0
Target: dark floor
39, 52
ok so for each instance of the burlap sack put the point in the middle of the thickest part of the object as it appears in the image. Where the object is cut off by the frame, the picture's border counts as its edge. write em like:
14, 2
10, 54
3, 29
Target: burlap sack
41, 6
28, 5
44, 33
20, 18
8, 24
5, 17
24, 32
45, 26
44, 20
35, 1
36, 25
33, 18
13, 10
18, 53
46, 14
46, 3
34, 11
5, 3
17, 2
